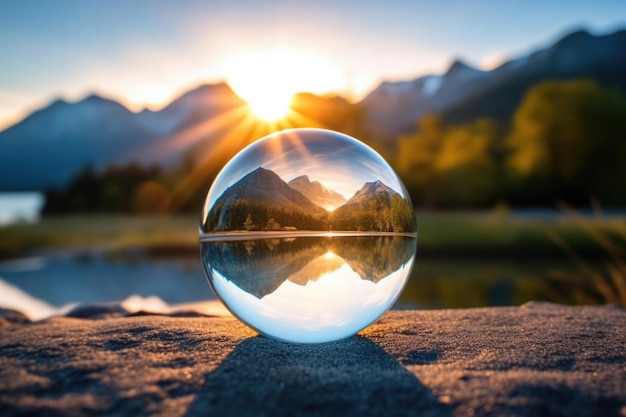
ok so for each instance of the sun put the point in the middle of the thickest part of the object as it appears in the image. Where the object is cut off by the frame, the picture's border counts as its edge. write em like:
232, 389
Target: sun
269, 106
268, 80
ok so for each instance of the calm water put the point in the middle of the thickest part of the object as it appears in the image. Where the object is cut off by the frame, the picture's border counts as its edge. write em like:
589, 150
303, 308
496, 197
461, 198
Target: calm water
444, 283
20, 206
97, 277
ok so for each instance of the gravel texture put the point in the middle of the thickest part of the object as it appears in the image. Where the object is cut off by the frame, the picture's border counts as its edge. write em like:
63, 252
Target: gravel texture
535, 360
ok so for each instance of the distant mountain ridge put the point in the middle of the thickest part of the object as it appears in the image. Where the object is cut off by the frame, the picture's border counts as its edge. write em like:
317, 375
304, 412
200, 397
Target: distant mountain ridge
261, 200
317, 192
376, 207
49, 146
364, 195
464, 93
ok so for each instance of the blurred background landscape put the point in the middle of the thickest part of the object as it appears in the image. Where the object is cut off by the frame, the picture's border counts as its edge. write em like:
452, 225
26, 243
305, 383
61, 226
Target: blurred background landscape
506, 123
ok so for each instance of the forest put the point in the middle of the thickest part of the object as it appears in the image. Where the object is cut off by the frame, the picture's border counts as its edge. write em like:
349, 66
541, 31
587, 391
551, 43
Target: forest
566, 141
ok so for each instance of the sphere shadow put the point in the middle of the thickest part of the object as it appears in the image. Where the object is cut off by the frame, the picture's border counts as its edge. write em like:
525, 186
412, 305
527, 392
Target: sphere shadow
353, 376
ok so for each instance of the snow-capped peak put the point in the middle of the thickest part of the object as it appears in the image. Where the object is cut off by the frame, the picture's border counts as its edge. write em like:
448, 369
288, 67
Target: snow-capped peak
432, 84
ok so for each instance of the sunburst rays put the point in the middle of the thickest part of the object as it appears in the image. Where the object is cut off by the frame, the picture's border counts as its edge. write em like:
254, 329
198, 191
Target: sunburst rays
219, 139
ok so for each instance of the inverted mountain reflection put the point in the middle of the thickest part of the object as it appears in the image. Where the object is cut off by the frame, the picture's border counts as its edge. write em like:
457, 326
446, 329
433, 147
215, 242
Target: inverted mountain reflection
260, 266
310, 285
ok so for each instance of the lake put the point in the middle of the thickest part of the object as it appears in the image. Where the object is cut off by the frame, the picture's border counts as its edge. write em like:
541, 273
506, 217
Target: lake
20, 207
97, 276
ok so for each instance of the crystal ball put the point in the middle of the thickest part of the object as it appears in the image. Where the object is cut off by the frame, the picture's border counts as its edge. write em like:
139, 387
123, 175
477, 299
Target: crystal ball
307, 236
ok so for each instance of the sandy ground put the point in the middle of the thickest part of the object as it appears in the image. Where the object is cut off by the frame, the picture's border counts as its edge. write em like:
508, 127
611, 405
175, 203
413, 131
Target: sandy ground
535, 360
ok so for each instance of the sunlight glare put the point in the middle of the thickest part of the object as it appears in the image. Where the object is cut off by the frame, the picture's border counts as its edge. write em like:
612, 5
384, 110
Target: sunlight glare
267, 81
270, 107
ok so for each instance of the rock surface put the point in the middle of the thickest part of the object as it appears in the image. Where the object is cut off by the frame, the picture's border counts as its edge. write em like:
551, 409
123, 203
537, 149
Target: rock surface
538, 359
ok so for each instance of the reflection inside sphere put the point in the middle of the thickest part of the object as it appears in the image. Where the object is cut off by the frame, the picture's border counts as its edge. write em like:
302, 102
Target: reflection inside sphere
308, 235
309, 289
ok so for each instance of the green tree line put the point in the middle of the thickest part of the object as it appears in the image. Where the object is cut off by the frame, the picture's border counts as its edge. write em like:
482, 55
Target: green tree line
566, 141
248, 215
380, 215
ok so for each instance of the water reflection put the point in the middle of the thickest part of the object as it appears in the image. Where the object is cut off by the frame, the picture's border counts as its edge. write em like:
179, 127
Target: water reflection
309, 289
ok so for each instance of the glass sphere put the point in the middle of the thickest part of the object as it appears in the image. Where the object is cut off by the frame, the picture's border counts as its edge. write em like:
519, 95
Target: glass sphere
307, 236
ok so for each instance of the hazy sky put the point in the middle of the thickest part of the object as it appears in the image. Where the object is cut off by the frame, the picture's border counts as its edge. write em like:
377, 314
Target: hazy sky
147, 52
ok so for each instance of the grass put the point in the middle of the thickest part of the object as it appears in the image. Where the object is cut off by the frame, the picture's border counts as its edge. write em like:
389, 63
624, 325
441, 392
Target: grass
111, 232
487, 234
463, 235
605, 283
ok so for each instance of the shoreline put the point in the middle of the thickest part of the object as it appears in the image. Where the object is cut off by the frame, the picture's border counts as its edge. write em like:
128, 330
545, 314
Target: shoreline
270, 234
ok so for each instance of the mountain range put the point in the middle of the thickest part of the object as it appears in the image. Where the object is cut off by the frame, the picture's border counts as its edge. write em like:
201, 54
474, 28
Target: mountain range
50, 145
374, 207
261, 200
317, 193
464, 93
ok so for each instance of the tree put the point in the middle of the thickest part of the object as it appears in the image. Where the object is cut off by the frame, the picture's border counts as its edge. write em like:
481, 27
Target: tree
150, 197
569, 141
272, 225
453, 166
249, 224
467, 163
401, 215
415, 160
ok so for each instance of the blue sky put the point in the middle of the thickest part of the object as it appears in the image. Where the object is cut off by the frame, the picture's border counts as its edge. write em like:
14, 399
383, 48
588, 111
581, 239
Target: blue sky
147, 52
